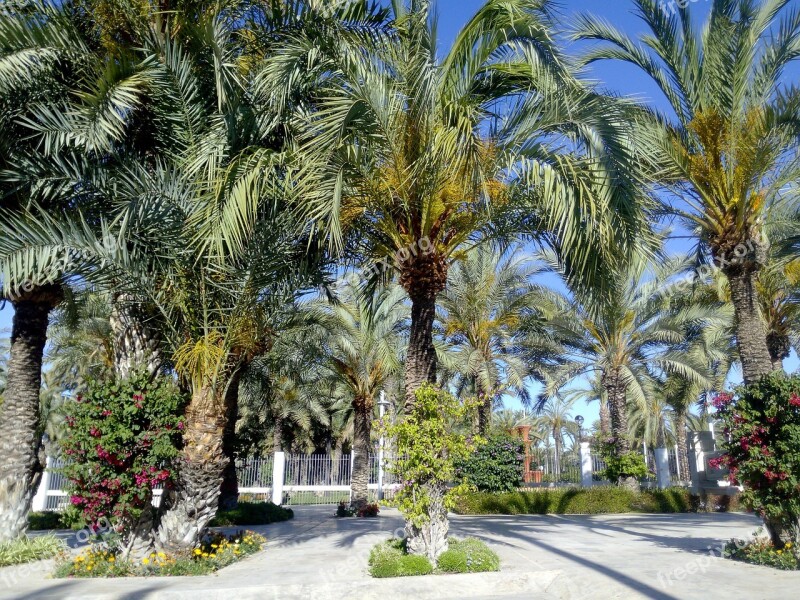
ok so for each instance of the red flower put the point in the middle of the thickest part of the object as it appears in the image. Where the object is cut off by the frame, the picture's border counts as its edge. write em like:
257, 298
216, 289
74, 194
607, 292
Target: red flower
794, 400
722, 400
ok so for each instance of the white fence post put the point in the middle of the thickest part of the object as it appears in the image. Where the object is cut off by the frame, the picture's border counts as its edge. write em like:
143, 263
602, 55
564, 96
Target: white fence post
586, 465
663, 478
278, 473
350, 479
40, 499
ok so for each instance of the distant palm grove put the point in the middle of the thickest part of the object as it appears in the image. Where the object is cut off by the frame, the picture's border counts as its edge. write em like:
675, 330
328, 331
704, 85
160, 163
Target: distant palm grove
283, 208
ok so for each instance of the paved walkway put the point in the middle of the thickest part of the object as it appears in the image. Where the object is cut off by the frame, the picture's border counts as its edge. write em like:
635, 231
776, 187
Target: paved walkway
665, 557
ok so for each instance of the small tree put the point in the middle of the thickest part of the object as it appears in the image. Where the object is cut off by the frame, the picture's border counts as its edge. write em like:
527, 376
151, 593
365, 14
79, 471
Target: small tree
123, 440
762, 451
429, 445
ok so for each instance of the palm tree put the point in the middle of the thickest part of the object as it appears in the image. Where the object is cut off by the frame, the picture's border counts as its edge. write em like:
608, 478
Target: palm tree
363, 344
626, 339
396, 151
555, 417
731, 147
3, 363
486, 300
779, 300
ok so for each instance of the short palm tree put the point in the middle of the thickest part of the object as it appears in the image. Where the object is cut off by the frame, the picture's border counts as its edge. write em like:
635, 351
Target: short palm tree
556, 418
487, 298
730, 148
363, 341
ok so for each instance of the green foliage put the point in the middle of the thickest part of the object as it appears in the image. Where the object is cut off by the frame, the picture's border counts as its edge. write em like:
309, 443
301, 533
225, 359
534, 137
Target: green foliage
40, 521
388, 559
429, 445
627, 464
123, 439
214, 552
468, 556
591, 501
252, 513
26, 549
760, 551
762, 448
495, 466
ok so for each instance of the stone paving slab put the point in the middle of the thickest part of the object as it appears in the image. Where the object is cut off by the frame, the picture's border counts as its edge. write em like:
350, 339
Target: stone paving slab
665, 557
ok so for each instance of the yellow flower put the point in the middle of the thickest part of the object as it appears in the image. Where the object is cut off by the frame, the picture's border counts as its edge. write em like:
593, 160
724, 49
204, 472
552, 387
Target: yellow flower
788, 545
780, 551
111, 559
162, 555
146, 561
213, 545
89, 568
205, 554
79, 558
197, 551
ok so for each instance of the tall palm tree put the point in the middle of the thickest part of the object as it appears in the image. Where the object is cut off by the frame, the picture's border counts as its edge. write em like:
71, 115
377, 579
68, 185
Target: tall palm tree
400, 151
363, 342
626, 338
555, 418
487, 298
730, 148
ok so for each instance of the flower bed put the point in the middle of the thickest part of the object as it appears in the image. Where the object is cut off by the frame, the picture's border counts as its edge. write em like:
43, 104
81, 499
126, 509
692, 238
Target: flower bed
214, 552
761, 551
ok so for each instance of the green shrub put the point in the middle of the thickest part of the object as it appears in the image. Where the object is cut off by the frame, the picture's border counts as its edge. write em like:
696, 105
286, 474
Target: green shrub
762, 450
41, 521
343, 510
628, 464
388, 559
29, 549
123, 439
590, 501
495, 466
252, 513
468, 556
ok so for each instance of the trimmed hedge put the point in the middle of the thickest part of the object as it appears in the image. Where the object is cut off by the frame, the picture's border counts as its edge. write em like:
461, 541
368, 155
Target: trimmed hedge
41, 521
468, 556
252, 513
495, 466
592, 501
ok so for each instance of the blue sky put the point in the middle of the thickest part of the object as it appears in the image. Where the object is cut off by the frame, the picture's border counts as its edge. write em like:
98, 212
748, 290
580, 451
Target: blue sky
623, 79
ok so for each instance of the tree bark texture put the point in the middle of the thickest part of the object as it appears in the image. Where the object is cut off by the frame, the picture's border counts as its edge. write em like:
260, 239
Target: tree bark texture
229, 491
21, 457
429, 538
362, 416
136, 345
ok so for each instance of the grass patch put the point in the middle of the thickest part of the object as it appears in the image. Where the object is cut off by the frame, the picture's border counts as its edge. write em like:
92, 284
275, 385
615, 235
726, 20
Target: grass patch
214, 552
26, 549
252, 513
468, 556
42, 521
389, 559
591, 501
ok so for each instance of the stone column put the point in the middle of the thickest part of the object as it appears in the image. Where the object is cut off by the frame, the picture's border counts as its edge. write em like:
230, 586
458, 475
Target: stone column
586, 465
663, 478
278, 473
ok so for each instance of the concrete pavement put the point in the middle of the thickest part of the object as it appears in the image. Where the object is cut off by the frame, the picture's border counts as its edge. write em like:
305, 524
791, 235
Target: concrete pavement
664, 557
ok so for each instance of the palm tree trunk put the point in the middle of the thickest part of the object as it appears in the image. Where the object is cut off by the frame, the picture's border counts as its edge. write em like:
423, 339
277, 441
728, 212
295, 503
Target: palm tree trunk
430, 538
751, 335
136, 344
195, 498
422, 276
485, 410
359, 482
557, 455
21, 463
683, 451
779, 348
229, 490
421, 358
616, 389
605, 418
277, 435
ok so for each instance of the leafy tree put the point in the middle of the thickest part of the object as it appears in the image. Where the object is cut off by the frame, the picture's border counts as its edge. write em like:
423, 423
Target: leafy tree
731, 145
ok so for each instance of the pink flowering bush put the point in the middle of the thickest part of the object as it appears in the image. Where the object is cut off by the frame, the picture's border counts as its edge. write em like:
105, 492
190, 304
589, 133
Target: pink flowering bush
762, 451
123, 439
